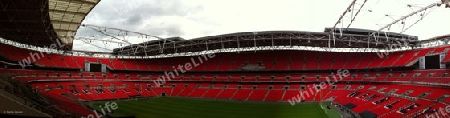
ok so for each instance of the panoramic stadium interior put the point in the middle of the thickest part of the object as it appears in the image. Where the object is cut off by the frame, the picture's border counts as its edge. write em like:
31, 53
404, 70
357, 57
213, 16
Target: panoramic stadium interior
338, 73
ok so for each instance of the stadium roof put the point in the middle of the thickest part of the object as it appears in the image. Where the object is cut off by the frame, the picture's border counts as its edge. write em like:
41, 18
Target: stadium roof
263, 39
43, 22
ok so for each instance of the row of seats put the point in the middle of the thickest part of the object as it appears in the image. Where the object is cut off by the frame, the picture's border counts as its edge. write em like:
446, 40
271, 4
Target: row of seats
199, 90
368, 97
425, 76
66, 103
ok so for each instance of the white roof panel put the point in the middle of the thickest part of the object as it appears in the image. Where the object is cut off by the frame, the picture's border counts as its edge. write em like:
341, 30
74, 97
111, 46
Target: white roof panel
67, 15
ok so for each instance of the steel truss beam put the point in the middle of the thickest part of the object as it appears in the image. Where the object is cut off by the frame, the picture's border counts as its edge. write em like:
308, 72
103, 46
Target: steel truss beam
271, 38
407, 16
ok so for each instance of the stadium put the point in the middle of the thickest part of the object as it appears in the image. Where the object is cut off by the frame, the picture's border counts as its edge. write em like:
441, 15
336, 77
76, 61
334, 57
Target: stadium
340, 72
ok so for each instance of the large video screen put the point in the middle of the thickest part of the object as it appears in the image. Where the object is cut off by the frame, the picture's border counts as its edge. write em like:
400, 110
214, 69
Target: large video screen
96, 67
432, 62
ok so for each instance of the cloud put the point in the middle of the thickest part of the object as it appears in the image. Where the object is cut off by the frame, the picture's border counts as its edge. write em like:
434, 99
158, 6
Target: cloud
197, 18
134, 15
134, 20
82, 46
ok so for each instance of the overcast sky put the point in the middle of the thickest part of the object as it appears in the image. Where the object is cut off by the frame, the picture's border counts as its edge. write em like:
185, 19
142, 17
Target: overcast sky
197, 18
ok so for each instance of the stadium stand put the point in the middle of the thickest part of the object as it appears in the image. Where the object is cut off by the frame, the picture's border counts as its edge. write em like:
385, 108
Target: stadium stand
315, 61
386, 86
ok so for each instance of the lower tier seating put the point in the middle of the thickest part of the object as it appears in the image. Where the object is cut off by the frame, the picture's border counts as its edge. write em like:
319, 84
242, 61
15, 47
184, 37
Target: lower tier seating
380, 99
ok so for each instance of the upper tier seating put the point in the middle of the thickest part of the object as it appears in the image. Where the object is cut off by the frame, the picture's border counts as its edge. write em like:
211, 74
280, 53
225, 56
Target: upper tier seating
270, 60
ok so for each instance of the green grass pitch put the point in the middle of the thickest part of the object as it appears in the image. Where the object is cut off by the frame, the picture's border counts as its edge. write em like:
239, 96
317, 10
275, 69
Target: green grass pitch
169, 107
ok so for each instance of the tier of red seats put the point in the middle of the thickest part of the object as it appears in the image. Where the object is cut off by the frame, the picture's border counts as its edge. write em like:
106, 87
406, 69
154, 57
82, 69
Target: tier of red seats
272, 60
423, 76
86, 90
66, 103
86, 86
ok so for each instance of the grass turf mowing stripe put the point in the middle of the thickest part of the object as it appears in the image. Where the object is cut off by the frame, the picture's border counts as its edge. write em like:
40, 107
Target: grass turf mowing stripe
168, 107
